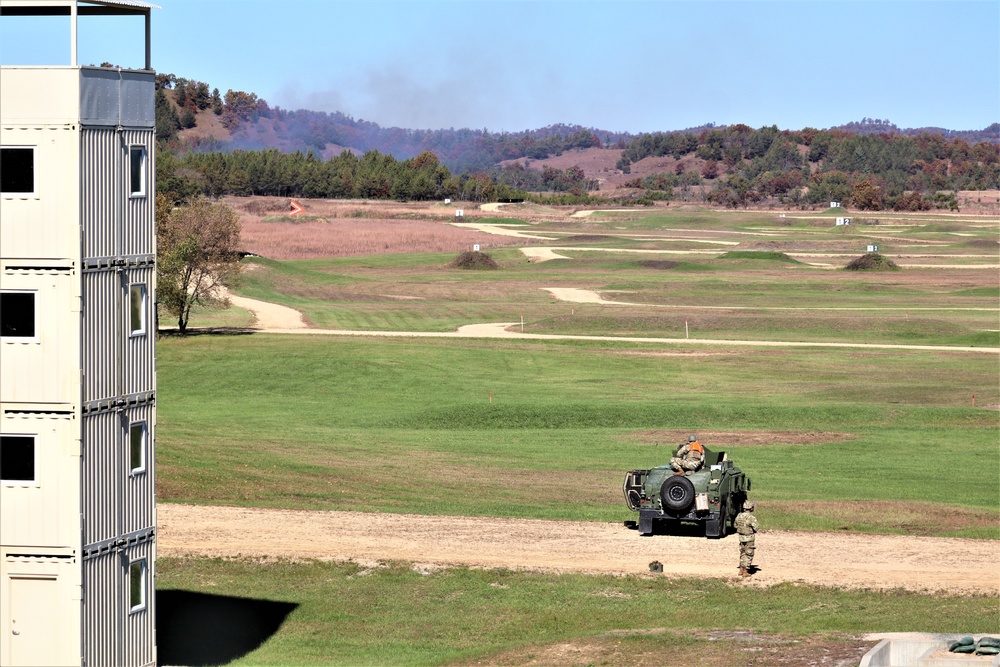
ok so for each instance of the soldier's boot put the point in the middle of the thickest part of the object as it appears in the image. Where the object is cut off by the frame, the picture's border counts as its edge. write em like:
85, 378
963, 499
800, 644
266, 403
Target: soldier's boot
743, 572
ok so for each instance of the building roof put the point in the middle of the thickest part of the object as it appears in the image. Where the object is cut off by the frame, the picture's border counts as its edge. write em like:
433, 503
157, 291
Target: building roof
84, 7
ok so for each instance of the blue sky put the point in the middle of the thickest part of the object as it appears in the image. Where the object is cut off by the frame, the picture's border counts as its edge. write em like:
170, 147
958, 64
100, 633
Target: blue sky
627, 65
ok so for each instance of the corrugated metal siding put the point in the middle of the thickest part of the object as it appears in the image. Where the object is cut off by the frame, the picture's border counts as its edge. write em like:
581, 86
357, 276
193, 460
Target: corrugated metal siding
139, 645
103, 588
102, 175
103, 316
115, 223
139, 370
102, 475
139, 231
138, 509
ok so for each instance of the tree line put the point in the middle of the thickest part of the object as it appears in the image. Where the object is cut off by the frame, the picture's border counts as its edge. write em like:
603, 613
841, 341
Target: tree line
870, 171
372, 175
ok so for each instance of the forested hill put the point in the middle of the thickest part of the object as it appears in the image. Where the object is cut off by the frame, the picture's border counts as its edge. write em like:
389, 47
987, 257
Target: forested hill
185, 110
192, 115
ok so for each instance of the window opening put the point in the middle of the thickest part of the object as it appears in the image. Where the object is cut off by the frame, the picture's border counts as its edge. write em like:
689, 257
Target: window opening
17, 170
137, 585
17, 458
137, 447
17, 314
137, 309
137, 171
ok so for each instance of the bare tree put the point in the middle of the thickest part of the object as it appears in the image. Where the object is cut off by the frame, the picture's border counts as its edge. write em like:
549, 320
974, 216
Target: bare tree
197, 256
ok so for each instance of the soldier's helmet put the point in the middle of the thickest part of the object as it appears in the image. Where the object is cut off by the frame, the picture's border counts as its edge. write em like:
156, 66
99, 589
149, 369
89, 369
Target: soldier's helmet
691, 438
748, 505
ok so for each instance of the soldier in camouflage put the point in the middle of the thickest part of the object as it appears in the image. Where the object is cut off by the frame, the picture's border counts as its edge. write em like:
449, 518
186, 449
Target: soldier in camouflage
746, 526
689, 457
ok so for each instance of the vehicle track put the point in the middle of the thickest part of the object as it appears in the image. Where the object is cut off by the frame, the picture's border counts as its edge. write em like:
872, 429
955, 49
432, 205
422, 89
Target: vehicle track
931, 564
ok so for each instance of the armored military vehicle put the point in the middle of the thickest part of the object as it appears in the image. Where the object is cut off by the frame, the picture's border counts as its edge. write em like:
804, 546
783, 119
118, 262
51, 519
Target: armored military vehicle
712, 495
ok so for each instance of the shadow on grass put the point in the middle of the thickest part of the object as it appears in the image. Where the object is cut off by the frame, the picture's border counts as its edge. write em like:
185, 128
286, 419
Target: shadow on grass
206, 331
200, 629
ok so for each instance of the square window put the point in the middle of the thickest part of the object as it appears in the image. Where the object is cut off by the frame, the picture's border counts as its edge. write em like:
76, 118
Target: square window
17, 170
137, 585
17, 314
137, 447
17, 458
137, 171
137, 309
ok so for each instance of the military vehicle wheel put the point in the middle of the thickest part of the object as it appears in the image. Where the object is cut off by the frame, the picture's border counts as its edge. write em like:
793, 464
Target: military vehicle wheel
677, 493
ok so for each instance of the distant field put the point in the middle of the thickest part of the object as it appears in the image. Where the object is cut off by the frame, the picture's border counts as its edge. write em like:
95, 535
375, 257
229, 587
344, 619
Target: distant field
835, 439
579, 408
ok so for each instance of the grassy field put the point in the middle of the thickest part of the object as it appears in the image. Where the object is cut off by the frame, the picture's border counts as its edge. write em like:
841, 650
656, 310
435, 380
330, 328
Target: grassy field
863, 440
397, 614
301, 422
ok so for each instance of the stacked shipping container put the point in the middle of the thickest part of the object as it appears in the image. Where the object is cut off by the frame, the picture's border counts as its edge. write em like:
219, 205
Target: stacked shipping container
77, 373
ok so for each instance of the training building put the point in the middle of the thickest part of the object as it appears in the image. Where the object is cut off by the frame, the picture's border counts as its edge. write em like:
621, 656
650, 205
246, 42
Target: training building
77, 344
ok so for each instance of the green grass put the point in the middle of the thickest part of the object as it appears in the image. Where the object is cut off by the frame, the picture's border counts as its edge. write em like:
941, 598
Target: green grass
759, 254
420, 293
860, 440
301, 421
395, 615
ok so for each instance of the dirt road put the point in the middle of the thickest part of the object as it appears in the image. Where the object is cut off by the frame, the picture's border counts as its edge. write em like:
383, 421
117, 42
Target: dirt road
847, 560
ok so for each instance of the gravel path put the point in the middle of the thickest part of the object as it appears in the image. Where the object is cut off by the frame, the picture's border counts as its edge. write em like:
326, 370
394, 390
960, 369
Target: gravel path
958, 566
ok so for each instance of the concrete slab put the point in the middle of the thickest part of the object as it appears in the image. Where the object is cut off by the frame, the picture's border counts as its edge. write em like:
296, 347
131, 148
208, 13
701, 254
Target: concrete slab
919, 649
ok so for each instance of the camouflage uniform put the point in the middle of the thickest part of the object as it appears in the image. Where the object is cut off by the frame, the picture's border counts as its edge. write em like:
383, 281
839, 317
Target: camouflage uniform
687, 459
746, 525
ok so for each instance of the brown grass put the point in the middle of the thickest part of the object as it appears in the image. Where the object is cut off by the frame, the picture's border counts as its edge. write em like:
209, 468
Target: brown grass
721, 439
315, 239
632, 648
911, 518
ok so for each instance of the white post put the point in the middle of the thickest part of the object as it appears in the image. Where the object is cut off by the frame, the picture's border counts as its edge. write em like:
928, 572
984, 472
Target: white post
72, 34
522, 322
686, 329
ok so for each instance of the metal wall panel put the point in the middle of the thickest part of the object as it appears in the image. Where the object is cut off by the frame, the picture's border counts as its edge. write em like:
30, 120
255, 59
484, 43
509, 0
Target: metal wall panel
41, 592
46, 367
138, 499
117, 97
114, 222
113, 633
116, 500
138, 365
102, 478
43, 224
102, 322
103, 588
139, 230
40, 95
43, 512
103, 167
139, 644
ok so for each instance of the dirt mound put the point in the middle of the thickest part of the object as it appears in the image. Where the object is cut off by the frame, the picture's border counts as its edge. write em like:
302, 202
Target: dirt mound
264, 205
473, 260
984, 244
872, 261
658, 264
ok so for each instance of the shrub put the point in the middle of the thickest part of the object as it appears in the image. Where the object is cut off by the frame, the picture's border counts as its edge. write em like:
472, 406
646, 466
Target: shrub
872, 261
476, 261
